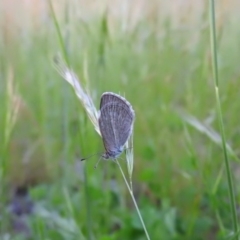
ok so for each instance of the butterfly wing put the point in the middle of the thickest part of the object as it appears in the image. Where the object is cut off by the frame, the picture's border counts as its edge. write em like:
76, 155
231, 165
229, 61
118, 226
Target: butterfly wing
115, 122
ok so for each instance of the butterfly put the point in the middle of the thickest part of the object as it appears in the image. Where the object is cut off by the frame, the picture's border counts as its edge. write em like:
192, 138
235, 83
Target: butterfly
115, 122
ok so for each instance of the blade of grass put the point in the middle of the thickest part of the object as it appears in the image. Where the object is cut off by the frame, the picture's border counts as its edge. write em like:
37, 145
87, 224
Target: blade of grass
134, 201
59, 34
64, 49
220, 118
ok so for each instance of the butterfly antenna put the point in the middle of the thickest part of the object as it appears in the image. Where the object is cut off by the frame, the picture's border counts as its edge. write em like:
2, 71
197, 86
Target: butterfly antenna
82, 159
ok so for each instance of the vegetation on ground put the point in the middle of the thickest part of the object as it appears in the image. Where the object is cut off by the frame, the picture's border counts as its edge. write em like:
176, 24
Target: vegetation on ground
165, 70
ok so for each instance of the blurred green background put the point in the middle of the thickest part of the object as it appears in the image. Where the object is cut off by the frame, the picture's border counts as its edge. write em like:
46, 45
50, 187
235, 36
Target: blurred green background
157, 54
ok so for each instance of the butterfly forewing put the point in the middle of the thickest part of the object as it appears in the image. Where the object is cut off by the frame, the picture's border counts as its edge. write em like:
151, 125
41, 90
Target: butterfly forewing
107, 128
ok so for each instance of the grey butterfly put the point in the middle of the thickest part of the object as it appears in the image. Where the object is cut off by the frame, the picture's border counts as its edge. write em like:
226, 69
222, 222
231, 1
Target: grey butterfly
115, 123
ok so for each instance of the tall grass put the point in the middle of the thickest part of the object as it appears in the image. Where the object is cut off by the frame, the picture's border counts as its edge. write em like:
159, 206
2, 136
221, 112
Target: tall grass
160, 63
220, 118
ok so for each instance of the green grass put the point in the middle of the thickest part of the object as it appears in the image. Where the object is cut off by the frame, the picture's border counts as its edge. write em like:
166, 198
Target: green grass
179, 175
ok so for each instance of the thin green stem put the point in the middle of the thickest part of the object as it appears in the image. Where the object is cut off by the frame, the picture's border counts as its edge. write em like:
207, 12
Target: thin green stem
65, 97
220, 118
134, 201
60, 37
64, 45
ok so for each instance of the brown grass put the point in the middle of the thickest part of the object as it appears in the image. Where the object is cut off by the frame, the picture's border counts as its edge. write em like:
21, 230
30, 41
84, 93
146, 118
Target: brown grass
32, 13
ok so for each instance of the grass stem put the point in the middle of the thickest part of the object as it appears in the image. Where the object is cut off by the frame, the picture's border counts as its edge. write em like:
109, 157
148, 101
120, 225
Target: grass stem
220, 118
134, 201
